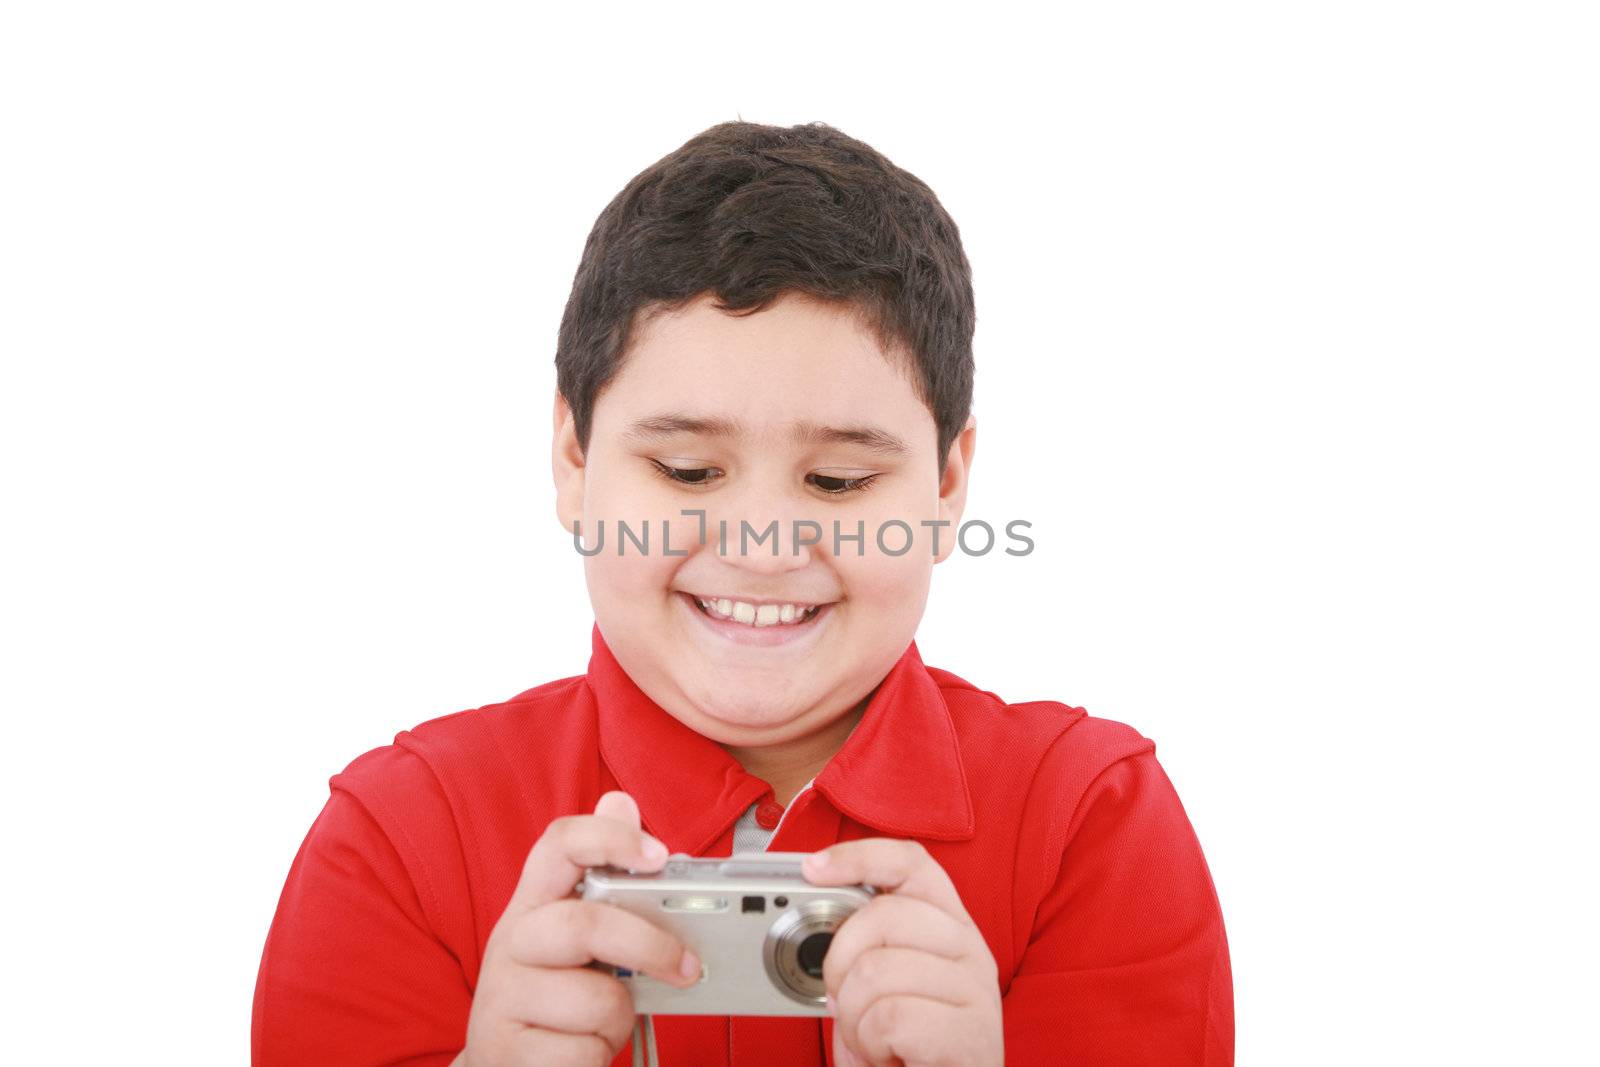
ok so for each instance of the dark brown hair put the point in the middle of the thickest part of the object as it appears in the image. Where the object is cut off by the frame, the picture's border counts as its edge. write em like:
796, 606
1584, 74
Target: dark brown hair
750, 212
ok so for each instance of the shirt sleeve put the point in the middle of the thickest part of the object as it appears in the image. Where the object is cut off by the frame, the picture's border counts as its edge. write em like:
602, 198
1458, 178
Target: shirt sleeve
1127, 962
353, 972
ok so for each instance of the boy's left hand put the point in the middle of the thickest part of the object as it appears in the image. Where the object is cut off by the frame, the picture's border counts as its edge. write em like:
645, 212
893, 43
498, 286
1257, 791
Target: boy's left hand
912, 980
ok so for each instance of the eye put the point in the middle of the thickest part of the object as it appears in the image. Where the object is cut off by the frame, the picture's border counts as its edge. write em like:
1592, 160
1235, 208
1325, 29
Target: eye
687, 475
839, 486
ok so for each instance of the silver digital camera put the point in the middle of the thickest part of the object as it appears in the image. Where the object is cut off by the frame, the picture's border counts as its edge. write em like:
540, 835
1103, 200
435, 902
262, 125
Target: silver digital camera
760, 929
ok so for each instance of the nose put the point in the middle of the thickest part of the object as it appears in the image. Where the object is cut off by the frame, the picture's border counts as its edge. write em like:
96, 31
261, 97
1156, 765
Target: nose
764, 530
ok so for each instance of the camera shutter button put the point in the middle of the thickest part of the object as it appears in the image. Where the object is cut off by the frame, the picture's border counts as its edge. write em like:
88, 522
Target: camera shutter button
768, 814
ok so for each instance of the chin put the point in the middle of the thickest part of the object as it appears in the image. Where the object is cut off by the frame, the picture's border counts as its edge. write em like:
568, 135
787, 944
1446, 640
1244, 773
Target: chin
740, 724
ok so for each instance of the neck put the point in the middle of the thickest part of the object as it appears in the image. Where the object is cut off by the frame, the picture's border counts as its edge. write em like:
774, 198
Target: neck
790, 765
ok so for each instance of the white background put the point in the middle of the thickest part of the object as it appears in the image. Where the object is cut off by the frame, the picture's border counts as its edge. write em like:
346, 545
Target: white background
1287, 328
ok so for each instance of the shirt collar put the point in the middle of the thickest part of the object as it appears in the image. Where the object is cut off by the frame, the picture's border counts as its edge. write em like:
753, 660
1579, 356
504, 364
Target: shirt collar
900, 770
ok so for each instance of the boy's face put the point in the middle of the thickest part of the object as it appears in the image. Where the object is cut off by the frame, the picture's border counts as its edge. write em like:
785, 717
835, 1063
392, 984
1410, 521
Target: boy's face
799, 363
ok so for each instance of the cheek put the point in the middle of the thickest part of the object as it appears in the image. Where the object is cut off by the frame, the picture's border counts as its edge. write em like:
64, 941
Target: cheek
892, 582
618, 489
897, 520
641, 502
628, 580
622, 583
885, 581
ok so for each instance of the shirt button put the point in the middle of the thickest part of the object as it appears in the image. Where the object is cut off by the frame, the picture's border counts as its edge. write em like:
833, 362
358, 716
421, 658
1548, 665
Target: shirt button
768, 814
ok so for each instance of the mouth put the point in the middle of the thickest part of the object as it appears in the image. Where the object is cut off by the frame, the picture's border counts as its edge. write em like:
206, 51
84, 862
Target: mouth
749, 623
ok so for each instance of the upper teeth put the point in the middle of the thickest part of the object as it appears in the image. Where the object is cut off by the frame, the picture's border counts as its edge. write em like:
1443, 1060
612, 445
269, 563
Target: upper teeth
757, 614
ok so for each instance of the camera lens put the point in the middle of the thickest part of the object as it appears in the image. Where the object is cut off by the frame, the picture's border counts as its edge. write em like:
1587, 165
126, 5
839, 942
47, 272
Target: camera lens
797, 942
812, 949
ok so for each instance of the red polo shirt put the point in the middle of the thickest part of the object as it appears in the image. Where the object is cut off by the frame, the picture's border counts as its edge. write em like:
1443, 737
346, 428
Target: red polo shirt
1061, 832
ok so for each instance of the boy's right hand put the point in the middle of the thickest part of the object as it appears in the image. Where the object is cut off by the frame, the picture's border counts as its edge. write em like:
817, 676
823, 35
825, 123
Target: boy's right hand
537, 1000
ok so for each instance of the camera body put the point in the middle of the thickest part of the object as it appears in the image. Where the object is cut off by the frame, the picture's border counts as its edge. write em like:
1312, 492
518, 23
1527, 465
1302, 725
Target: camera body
759, 928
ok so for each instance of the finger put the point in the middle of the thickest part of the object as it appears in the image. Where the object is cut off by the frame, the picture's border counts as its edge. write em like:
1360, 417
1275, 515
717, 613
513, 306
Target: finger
888, 863
571, 933
533, 1045
908, 1028
892, 921
887, 972
568, 845
843, 1056
620, 806
572, 1000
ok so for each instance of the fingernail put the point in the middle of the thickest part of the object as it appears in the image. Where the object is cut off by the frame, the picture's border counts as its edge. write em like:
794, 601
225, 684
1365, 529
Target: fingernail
830, 1005
690, 966
816, 863
654, 851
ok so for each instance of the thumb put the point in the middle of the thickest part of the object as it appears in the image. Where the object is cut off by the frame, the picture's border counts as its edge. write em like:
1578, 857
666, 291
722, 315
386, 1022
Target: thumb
620, 806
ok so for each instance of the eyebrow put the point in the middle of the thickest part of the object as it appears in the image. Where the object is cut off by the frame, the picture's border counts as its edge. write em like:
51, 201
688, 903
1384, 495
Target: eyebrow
655, 427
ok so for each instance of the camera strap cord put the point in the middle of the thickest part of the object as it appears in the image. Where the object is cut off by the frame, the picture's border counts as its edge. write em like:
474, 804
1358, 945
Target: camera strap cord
644, 1043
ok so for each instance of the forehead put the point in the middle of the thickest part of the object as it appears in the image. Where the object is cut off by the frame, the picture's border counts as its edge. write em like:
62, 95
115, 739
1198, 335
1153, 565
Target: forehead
797, 363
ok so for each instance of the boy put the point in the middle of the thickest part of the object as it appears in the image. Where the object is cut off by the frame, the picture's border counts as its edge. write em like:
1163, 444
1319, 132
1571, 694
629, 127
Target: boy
769, 337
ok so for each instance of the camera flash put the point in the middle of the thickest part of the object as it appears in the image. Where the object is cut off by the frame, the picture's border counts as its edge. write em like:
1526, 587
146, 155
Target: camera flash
694, 904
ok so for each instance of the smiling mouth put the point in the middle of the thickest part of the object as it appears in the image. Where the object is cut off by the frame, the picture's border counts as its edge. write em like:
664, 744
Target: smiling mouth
755, 616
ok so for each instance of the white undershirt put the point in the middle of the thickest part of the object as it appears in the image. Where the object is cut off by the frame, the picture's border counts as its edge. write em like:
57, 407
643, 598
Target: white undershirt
748, 835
